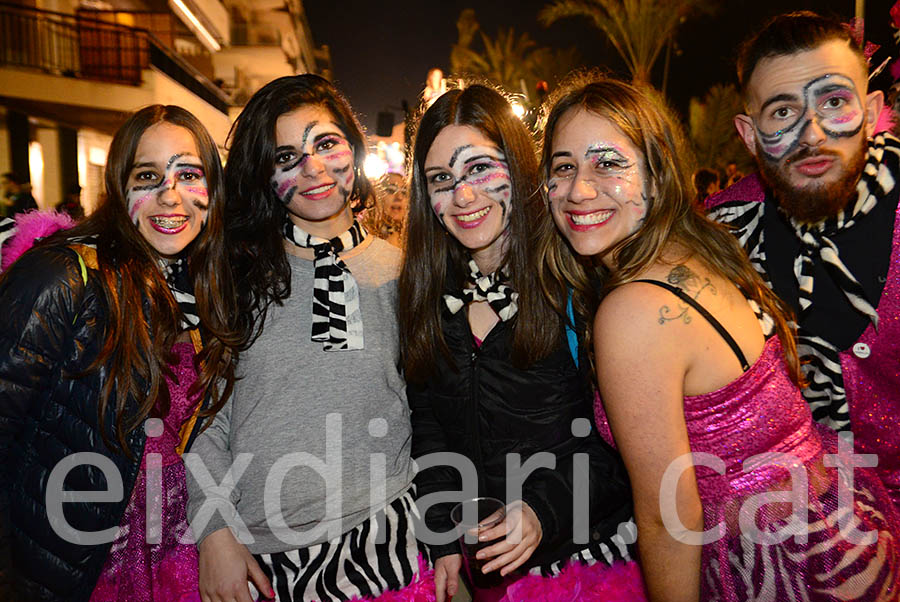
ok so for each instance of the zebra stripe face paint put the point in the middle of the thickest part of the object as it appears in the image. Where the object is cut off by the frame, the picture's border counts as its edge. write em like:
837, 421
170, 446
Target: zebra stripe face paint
314, 174
469, 188
832, 102
167, 193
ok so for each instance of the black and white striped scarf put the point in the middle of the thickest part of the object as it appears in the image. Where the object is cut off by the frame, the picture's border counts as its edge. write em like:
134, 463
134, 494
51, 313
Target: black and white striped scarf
491, 288
336, 316
178, 278
825, 393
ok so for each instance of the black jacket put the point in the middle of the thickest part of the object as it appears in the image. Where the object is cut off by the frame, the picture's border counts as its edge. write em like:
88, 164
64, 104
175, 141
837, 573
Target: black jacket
55, 317
488, 409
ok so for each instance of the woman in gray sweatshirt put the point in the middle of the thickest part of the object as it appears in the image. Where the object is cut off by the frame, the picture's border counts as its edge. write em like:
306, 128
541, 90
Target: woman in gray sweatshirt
301, 487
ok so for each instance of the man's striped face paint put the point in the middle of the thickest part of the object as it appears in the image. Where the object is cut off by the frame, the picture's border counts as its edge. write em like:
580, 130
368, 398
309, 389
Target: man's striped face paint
831, 101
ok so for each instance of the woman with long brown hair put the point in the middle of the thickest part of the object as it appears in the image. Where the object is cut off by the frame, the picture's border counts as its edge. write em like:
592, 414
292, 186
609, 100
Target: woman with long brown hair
115, 348
694, 354
489, 373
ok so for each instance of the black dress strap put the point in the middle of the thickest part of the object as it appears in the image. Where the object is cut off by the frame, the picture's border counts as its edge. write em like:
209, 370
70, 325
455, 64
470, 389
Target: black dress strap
709, 318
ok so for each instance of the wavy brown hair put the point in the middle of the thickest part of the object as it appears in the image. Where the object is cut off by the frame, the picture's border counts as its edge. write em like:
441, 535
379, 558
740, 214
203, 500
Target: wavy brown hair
435, 262
143, 316
671, 217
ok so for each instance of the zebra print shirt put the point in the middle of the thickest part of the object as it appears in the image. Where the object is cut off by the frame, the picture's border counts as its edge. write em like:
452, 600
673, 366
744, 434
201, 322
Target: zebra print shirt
822, 364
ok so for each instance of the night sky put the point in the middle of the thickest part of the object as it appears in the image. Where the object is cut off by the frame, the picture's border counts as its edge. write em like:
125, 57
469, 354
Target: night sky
381, 51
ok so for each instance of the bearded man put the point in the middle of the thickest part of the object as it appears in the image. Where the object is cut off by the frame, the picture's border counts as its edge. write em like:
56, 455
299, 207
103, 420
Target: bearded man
820, 221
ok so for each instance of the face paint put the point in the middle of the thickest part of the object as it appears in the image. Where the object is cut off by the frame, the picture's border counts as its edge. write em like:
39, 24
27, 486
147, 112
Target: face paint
183, 174
166, 193
830, 101
597, 187
330, 149
472, 171
470, 189
314, 173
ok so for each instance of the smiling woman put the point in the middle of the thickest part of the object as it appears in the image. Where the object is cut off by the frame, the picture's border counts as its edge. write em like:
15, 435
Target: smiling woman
320, 364
489, 373
167, 194
115, 344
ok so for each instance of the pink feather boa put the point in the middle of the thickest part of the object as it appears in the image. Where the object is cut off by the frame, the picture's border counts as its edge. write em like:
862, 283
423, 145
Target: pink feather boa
578, 582
31, 226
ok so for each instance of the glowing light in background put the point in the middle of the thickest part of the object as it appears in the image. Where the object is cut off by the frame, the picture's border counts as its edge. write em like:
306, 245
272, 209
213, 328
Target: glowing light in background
518, 110
374, 166
36, 170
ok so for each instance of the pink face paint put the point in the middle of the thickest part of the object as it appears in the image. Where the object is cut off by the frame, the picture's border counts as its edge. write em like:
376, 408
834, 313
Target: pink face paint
338, 156
487, 178
136, 203
284, 186
844, 118
780, 126
197, 190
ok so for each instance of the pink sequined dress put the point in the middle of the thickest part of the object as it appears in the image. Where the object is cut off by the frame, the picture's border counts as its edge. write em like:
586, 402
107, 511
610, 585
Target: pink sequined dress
763, 412
165, 570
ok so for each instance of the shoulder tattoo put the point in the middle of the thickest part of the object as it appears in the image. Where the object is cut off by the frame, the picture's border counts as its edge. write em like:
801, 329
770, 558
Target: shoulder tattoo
689, 282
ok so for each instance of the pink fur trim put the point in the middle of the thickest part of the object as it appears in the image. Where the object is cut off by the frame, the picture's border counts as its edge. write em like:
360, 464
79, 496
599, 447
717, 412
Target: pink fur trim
420, 590
31, 226
748, 188
886, 120
578, 582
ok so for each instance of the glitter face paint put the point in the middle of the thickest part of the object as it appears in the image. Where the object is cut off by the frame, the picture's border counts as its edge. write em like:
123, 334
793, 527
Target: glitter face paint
596, 183
831, 101
470, 189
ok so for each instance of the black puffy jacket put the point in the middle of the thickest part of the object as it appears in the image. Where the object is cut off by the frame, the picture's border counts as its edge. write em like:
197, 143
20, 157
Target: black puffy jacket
55, 317
488, 409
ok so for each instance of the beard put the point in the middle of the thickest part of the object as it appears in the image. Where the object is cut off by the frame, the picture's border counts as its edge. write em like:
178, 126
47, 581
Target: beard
816, 202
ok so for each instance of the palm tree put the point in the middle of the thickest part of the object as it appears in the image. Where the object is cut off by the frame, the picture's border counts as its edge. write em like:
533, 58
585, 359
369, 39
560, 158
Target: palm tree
514, 61
711, 129
638, 29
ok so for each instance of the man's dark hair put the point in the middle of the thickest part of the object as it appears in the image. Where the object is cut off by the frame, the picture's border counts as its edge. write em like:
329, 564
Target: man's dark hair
790, 33
15, 179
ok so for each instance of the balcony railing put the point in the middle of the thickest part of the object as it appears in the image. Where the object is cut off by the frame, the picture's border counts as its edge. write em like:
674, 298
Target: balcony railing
78, 46
255, 34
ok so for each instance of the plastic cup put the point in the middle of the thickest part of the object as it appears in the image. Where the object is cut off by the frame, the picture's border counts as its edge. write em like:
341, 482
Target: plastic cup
471, 517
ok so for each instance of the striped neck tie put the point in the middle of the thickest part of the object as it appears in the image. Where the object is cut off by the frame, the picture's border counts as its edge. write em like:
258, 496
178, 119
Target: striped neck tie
878, 180
491, 288
336, 316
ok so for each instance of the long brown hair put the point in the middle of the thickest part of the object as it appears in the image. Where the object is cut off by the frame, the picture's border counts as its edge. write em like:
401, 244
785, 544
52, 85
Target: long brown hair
671, 216
143, 316
434, 260
255, 215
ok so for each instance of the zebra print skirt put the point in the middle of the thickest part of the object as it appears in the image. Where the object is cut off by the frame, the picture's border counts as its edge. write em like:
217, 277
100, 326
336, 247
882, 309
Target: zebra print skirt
378, 555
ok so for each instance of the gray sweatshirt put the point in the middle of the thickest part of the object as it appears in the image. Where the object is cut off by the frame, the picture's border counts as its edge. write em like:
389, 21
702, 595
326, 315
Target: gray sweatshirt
328, 432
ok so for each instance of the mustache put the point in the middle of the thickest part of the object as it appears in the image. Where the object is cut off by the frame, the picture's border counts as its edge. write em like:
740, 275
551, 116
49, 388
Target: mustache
808, 153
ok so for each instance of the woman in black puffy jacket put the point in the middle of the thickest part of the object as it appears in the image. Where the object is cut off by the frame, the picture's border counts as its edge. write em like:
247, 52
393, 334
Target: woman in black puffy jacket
114, 347
489, 371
